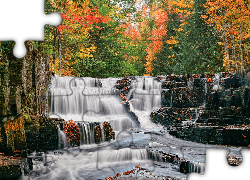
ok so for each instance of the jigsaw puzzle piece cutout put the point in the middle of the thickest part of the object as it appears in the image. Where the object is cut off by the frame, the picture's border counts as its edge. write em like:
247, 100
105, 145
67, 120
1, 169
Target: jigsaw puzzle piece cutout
218, 168
198, 157
28, 22
234, 156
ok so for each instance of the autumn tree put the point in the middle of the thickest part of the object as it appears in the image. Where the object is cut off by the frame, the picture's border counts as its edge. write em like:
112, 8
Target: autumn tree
231, 19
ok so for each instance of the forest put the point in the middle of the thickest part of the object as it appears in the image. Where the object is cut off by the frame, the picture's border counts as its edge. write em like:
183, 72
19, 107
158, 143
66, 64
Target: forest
145, 37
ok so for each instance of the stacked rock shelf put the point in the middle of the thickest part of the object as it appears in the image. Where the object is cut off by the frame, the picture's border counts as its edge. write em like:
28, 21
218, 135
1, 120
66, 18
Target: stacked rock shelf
206, 108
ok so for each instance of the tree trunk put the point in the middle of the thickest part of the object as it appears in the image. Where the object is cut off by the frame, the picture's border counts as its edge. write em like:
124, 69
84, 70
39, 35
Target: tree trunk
54, 47
235, 66
59, 50
6, 89
241, 52
0, 48
225, 42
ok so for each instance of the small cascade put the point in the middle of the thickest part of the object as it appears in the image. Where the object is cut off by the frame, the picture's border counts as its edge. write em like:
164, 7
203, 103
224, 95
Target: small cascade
121, 124
95, 132
112, 106
198, 167
62, 139
189, 167
146, 94
87, 131
155, 155
121, 155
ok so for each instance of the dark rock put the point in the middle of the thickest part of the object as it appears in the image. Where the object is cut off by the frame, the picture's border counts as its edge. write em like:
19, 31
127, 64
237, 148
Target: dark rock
12, 172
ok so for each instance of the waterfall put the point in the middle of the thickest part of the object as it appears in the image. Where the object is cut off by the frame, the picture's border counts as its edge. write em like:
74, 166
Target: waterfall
155, 155
121, 155
112, 106
83, 100
146, 94
71, 97
87, 131
62, 138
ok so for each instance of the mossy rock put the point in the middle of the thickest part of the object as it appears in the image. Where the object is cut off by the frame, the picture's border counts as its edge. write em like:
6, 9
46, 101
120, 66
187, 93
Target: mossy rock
10, 172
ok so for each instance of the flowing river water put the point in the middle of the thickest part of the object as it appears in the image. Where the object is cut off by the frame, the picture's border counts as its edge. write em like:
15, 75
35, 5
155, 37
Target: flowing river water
137, 140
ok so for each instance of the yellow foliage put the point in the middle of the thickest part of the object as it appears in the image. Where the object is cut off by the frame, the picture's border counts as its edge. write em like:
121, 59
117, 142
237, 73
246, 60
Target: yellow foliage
14, 129
171, 41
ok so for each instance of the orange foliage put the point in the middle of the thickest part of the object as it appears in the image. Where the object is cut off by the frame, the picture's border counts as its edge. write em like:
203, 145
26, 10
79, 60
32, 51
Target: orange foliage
72, 132
78, 19
232, 19
156, 36
12, 127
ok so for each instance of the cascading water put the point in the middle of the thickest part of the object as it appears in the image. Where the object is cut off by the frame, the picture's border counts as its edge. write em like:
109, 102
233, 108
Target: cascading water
144, 96
62, 139
81, 99
122, 155
198, 167
72, 97
89, 101
87, 131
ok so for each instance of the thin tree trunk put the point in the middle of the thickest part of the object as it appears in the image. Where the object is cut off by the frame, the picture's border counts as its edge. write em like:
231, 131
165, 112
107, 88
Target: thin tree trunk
6, 89
54, 47
1, 58
241, 52
225, 42
233, 48
59, 50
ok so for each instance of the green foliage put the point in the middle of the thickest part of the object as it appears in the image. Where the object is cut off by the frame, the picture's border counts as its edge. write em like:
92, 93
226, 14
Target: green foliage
197, 50
200, 49
7, 48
